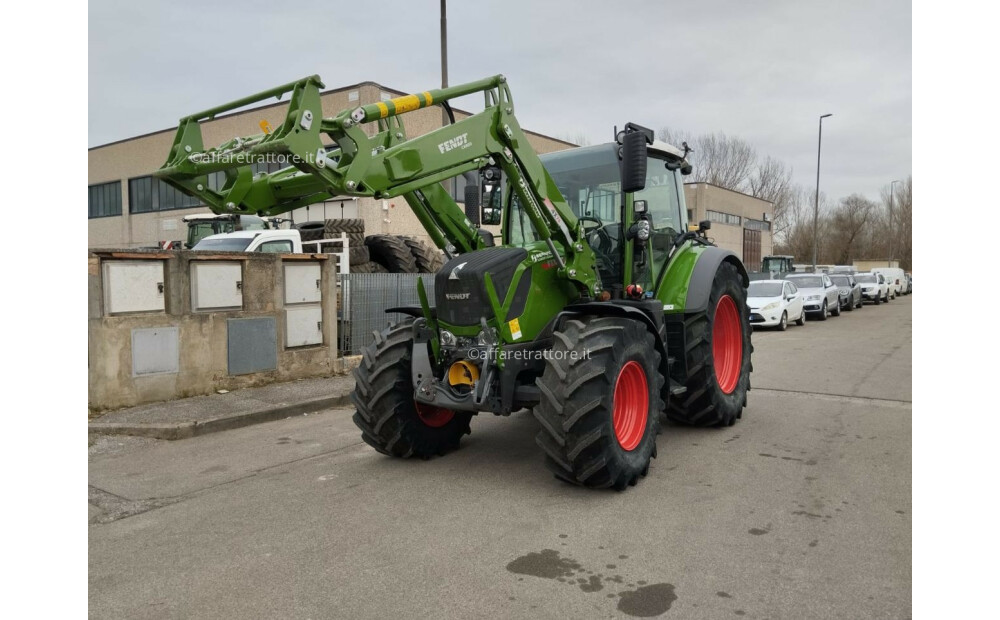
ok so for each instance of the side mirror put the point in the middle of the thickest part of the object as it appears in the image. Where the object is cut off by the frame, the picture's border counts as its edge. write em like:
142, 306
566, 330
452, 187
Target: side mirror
633, 156
472, 204
704, 225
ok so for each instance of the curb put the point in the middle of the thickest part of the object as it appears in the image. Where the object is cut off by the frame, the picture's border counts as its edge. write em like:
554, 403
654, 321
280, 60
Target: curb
193, 428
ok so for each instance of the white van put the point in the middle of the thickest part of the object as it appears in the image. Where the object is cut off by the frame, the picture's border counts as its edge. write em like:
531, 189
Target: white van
896, 279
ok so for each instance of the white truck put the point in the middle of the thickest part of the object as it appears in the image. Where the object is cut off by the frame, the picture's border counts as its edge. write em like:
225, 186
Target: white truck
896, 279
276, 242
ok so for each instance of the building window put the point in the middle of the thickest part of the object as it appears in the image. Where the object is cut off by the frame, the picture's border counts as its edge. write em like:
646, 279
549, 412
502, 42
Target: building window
147, 194
724, 218
758, 225
105, 199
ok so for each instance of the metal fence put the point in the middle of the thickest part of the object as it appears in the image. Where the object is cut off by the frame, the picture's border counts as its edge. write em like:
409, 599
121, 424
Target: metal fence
364, 298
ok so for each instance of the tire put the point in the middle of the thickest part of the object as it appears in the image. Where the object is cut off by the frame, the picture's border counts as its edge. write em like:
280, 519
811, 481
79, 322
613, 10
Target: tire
705, 403
878, 300
783, 325
348, 225
389, 419
600, 415
836, 310
861, 303
310, 231
355, 239
428, 259
368, 267
358, 255
377, 268
822, 312
801, 320
850, 304
392, 253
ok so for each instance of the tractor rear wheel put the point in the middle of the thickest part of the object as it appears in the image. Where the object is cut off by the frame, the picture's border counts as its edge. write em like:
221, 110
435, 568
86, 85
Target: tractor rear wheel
718, 349
600, 414
389, 419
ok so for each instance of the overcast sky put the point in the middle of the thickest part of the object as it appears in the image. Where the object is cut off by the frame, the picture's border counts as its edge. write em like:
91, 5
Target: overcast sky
762, 70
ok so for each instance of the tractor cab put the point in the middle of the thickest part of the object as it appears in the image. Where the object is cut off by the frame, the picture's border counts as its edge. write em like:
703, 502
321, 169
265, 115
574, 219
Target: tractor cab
590, 179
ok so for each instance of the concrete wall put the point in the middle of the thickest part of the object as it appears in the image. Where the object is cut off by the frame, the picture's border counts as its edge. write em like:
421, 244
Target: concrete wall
203, 336
140, 156
704, 197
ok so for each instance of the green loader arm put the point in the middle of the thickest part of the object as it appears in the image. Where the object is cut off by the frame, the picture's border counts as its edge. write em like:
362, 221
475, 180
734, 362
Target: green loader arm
349, 162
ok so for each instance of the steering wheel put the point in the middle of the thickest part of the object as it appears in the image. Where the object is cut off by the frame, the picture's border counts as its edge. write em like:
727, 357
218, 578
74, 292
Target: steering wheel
597, 236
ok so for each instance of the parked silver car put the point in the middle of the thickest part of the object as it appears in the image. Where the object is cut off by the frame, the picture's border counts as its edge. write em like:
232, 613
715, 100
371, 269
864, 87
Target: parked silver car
850, 291
819, 294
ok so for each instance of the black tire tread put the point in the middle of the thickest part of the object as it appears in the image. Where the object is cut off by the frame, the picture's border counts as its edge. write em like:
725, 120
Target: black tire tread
427, 258
576, 433
392, 253
703, 403
347, 225
383, 398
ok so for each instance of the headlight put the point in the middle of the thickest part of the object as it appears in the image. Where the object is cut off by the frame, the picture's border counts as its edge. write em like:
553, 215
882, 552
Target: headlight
845, 291
447, 338
487, 337
812, 298
770, 306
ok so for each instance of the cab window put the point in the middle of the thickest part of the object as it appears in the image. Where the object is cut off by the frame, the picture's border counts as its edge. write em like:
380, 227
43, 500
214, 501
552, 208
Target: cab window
276, 247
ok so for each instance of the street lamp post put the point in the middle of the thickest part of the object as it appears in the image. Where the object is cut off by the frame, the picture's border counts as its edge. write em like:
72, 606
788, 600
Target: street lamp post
819, 151
891, 235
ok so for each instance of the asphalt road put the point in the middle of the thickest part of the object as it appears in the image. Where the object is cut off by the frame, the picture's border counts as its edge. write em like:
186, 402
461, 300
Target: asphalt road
801, 510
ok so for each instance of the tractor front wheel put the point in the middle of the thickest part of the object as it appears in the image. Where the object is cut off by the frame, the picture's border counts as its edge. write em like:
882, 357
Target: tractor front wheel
389, 419
718, 348
600, 402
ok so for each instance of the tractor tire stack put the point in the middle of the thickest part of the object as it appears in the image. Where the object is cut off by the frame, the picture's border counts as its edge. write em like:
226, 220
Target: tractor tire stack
355, 230
310, 231
377, 253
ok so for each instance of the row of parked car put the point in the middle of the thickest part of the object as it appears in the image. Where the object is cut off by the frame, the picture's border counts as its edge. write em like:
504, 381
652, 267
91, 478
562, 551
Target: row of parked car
776, 303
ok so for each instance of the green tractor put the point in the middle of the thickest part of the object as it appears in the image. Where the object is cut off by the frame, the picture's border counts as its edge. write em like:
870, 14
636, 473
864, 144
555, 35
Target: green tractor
602, 311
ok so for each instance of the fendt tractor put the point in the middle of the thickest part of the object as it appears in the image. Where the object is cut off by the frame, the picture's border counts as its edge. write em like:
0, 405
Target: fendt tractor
601, 310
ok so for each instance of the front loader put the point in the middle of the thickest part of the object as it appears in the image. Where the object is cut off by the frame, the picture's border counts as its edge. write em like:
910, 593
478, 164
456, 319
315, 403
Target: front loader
601, 311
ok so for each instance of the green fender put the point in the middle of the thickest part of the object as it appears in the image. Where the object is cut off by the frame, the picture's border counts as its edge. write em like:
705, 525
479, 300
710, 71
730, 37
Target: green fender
687, 282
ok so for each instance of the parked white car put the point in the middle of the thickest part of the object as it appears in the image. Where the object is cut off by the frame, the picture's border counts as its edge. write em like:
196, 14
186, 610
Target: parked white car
895, 278
773, 303
274, 241
819, 294
874, 288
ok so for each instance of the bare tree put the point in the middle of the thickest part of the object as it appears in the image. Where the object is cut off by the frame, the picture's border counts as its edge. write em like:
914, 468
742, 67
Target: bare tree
718, 159
848, 224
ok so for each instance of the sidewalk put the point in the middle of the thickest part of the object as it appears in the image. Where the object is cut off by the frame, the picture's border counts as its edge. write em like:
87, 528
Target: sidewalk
188, 417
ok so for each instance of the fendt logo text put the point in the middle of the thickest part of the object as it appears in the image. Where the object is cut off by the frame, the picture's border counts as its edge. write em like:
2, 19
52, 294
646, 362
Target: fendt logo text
458, 142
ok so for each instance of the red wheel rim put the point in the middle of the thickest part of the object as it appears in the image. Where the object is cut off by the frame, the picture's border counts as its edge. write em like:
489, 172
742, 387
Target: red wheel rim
432, 416
631, 407
727, 344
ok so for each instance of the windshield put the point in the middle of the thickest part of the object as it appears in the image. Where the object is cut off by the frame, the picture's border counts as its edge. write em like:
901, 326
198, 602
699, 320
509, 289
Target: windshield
774, 264
841, 280
589, 179
865, 279
808, 281
764, 289
228, 244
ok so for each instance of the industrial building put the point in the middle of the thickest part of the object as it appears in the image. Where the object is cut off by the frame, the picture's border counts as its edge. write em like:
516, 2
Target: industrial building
740, 223
129, 208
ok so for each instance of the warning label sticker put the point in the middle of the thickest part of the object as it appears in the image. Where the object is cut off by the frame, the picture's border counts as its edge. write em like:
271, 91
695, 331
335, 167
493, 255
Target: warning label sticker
515, 329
